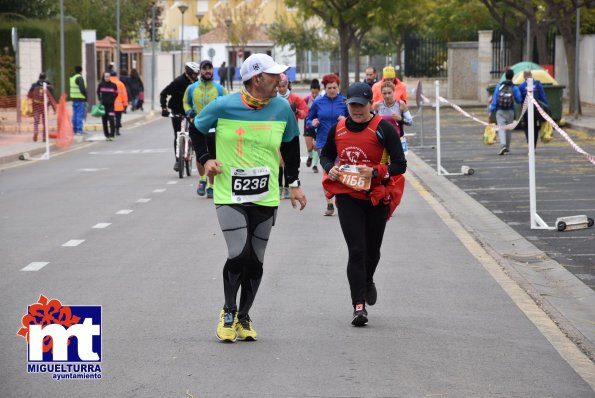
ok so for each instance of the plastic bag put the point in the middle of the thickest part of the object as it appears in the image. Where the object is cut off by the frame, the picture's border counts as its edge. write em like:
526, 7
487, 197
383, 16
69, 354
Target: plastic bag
489, 135
26, 107
546, 132
97, 110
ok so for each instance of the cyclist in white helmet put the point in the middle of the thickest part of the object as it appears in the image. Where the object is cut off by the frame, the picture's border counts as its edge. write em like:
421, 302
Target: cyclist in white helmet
175, 90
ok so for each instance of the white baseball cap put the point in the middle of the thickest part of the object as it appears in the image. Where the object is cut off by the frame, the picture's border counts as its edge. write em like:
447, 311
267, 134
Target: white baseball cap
260, 63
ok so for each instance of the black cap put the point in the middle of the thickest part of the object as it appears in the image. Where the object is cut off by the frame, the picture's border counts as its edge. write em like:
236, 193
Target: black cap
359, 93
205, 62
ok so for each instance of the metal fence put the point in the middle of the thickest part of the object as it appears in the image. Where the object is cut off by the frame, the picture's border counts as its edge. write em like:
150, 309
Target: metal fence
500, 54
425, 56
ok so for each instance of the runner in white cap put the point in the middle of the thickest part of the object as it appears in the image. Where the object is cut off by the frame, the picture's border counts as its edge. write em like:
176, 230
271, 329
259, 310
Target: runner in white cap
251, 127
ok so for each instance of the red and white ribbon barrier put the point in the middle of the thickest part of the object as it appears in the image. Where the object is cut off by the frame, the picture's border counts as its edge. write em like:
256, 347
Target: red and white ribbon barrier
564, 134
511, 126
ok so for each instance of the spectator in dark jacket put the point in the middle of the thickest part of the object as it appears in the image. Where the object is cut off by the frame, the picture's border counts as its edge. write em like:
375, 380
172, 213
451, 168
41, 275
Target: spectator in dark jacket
137, 90
107, 91
222, 72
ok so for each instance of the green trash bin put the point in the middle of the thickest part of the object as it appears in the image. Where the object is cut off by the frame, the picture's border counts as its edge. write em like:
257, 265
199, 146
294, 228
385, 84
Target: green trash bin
553, 93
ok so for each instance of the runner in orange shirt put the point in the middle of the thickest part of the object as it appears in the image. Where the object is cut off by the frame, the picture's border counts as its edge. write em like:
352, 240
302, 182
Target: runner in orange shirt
121, 100
388, 73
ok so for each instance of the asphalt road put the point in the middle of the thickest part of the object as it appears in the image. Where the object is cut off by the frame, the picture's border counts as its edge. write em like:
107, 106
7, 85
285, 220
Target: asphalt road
443, 325
565, 182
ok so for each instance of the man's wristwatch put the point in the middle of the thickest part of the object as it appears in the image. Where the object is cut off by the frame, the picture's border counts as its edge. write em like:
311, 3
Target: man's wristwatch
374, 173
295, 184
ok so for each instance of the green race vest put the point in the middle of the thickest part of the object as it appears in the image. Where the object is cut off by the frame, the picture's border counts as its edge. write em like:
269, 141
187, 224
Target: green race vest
249, 152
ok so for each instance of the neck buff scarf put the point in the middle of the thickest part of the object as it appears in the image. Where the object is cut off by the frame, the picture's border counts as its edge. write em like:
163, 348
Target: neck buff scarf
252, 102
286, 96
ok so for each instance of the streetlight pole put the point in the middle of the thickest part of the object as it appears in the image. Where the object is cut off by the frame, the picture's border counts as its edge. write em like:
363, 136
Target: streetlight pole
577, 98
182, 7
62, 74
202, 7
229, 66
118, 36
199, 17
153, 63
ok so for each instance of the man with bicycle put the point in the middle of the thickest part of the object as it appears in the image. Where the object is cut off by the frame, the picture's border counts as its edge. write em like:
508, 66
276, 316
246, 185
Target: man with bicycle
175, 90
252, 127
196, 97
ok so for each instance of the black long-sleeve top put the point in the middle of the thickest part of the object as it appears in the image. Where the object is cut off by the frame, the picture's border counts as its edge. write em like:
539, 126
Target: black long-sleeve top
175, 90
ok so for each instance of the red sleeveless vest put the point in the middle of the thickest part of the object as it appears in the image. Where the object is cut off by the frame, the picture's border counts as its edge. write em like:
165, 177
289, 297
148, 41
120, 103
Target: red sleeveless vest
359, 148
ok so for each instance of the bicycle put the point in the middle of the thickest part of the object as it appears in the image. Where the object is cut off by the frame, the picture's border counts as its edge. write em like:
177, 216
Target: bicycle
184, 148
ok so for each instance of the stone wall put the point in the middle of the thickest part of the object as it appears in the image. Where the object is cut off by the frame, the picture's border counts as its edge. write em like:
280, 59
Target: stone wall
31, 64
463, 70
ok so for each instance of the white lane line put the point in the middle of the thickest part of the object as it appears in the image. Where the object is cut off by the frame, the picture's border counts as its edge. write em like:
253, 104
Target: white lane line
159, 190
35, 266
172, 182
143, 200
102, 225
124, 211
73, 243
101, 169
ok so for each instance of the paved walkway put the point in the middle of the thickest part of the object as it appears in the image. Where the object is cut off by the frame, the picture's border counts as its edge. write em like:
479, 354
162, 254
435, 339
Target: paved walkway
14, 145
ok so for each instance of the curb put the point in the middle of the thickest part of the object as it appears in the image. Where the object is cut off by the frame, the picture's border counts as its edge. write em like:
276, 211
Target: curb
90, 127
560, 294
579, 126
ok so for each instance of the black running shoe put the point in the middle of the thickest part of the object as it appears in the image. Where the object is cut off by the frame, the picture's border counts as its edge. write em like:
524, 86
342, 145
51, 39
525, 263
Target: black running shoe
360, 315
371, 294
309, 161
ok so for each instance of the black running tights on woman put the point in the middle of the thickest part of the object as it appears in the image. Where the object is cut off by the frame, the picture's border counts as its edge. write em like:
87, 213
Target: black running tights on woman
363, 228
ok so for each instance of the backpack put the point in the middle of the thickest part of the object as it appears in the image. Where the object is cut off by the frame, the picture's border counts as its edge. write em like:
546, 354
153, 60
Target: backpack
505, 98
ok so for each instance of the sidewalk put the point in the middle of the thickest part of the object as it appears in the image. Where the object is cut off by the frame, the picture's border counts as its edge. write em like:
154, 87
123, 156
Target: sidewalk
13, 145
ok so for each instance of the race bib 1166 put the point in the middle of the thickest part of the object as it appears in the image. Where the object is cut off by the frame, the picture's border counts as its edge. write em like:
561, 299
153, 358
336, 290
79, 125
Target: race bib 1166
351, 177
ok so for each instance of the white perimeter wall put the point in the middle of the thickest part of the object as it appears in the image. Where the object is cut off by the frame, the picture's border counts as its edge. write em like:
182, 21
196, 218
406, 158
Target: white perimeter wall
586, 67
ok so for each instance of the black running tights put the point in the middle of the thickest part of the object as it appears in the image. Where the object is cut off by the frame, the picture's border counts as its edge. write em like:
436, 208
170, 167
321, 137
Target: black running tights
363, 228
246, 230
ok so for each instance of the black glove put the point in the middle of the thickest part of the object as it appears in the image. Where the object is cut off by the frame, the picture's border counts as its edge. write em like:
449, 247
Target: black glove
191, 113
293, 107
124, 111
164, 112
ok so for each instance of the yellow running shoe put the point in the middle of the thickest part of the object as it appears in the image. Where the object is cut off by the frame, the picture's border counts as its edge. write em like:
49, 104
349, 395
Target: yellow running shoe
245, 330
226, 329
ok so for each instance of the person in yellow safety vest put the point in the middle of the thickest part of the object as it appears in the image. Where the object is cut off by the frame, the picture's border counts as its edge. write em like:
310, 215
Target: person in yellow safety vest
198, 95
121, 100
78, 96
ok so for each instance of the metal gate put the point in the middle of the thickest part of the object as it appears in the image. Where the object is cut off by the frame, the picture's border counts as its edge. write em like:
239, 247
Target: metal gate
500, 54
425, 56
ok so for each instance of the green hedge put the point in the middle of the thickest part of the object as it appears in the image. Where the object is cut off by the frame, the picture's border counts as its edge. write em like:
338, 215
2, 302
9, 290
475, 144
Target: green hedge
49, 33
